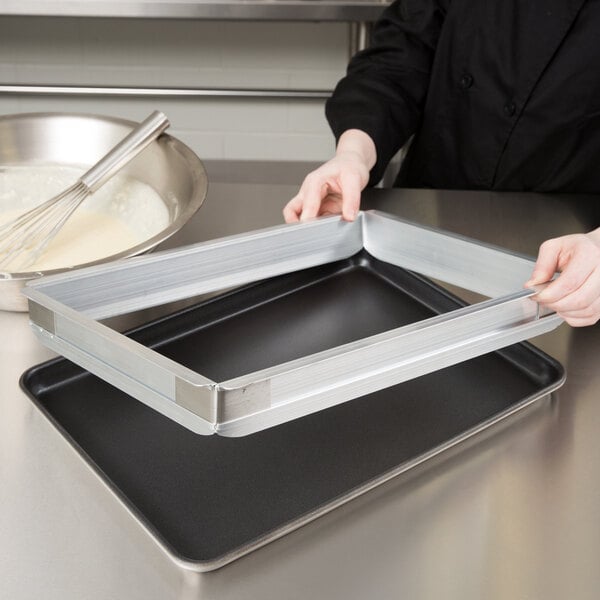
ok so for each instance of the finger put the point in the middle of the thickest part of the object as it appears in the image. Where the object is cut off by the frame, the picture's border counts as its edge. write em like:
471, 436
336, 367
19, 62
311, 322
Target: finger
546, 263
581, 308
574, 276
586, 296
292, 210
313, 190
590, 316
581, 322
331, 205
351, 189
582, 319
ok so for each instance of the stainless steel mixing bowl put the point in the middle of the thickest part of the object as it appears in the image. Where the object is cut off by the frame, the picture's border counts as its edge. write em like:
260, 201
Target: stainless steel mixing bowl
167, 165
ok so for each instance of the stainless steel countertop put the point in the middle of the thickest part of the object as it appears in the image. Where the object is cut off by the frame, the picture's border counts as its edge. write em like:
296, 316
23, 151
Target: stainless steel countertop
285, 10
516, 515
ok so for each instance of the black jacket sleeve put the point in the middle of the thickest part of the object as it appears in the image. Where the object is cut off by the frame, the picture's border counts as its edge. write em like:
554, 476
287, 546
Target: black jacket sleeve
384, 90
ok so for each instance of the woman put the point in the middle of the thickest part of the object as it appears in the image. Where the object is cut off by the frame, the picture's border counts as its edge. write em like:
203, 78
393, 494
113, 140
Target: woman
501, 95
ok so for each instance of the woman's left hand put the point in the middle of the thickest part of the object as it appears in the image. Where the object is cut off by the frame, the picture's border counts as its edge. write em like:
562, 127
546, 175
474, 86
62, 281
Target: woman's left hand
575, 293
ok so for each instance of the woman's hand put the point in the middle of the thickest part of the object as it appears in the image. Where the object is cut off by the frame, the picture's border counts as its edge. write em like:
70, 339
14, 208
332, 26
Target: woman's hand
335, 187
575, 293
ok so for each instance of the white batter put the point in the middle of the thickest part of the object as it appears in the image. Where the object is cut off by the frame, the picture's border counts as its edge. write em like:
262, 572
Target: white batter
123, 213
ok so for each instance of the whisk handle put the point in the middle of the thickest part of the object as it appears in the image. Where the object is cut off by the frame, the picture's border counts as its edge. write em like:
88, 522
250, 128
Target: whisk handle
139, 138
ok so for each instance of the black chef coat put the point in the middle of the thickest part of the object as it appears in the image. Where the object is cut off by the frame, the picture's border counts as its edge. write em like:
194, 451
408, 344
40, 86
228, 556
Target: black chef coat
499, 94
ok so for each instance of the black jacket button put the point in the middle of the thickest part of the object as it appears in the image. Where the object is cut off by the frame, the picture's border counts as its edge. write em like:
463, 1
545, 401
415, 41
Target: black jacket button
510, 109
466, 81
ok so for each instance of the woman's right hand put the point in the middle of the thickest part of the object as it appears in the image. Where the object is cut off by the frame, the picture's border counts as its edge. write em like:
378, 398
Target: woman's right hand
335, 187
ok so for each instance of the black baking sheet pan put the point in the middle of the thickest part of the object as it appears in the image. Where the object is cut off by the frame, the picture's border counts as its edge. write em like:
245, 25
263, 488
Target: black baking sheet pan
209, 499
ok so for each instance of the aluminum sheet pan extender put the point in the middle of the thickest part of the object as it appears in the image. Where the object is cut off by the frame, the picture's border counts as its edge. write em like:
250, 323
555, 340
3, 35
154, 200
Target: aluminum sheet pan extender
65, 311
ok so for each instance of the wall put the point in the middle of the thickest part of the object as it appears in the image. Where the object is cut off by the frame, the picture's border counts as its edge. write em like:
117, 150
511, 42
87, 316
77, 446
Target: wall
203, 54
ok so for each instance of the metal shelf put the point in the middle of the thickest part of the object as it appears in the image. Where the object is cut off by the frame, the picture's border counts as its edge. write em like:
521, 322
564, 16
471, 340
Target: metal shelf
284, 10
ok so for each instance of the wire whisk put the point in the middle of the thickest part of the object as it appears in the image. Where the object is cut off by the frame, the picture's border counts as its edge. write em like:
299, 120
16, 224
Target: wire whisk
25, 238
